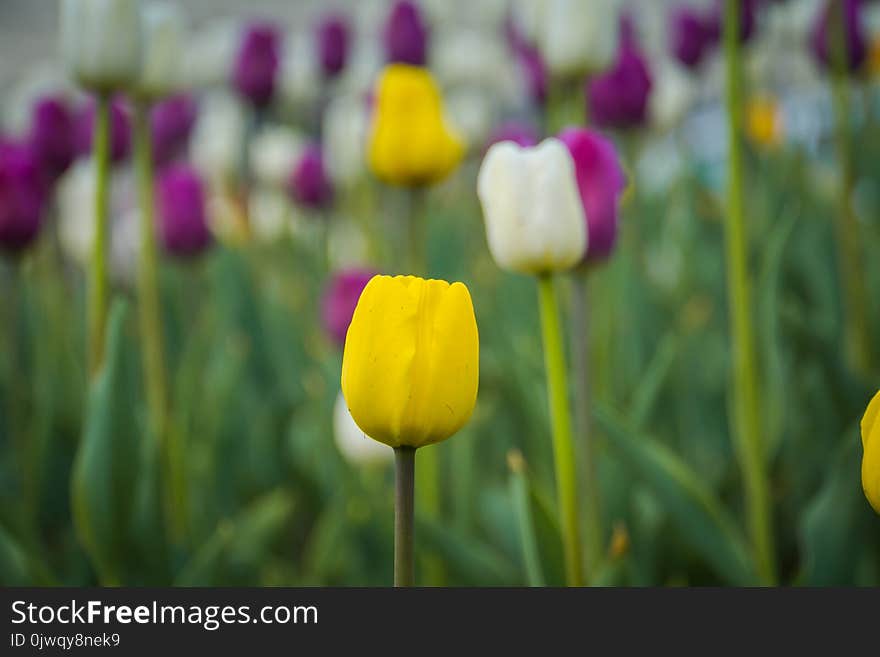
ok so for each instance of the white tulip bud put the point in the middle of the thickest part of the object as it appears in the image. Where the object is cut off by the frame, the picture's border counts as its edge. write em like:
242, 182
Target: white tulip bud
354, 444
345, 127
101, 42
274, 153
577, 37
163, 54
534, 217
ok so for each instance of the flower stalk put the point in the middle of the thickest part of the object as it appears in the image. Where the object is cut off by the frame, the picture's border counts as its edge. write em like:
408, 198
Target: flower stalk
98, 284
560, 418
404, 516
747, 423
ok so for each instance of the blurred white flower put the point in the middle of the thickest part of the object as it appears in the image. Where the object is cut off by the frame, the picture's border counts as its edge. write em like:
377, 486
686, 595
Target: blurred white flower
471, 112
164, 28
269, 214
210, 53
364, 64
578, 37
470, 56
101, 42
532, 207
218, 136
76, 219
299, 74
355, 446
485, 14
273, 154
344, 133
673, 94
347, 245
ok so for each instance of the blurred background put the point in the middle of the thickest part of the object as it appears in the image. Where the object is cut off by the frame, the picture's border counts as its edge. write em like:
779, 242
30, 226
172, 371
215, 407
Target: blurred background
270, 221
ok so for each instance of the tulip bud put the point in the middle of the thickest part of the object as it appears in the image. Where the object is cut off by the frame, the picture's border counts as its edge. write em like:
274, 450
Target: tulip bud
672, 94
534, 218
22, 196
578, 37
101, 42
689, 38
257, 64
534, 74
274, 153
870, 429
519, 132
218, 136
183, 223
821, 39
355, 446
120, 130
410, 141
340, 300
333, 42
410, 369
344, 137
171, 123
51, 135
309, 185
405, 35
601, 181
163, 41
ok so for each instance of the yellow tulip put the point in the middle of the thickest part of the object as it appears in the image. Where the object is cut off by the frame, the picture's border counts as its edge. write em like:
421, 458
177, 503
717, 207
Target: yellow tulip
410, 368
871, 456
410, 143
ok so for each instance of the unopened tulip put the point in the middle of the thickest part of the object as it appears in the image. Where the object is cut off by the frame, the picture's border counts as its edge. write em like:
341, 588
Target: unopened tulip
871, 452
256, 64
534, 74
163, 50
619, 97
673, 92
340, 300
534, 217
410, 141
183, 222
689, 36
578, 37
171, 123
410, 369
821, 39
355, 446
22, 196
344, 137
120, 130
309, 185
601, 181
218, 136
333, 39
101, 42
274, 153
405, 35
51, 135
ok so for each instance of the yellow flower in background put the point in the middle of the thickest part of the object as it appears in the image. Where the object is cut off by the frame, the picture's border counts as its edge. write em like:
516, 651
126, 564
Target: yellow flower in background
871, 455
410, 368
410, 142
764, 124
873, 64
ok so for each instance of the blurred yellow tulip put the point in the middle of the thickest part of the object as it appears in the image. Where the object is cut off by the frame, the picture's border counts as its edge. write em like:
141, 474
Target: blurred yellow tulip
871, 456
410, 142
764, 122
410, 369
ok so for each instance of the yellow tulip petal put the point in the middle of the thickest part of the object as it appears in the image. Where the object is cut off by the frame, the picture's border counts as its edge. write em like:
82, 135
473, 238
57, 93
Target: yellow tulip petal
870, 429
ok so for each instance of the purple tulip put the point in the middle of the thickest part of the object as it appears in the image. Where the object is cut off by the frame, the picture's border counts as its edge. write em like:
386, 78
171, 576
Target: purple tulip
171, 122
183, 223
601, 181
309, 184
618, 98
334, 36
340, 299
120, 130
822, 41
51, 135
257, 63
689, 36
406, 35
22, 195
519, 132
534, 73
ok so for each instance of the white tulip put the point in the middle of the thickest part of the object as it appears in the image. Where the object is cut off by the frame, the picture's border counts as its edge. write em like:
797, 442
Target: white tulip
673, 94
354, 444
470, 111
164, 29
273, 155
535, 221
217, 138
577, 37
210, 53
299, 73
101, 42
269, 215
344, 134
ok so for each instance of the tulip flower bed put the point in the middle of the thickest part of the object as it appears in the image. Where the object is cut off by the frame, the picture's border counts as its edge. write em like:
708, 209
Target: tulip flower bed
576, 352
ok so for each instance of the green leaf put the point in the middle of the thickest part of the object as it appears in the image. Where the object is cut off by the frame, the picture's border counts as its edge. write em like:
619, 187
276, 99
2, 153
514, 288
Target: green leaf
699, 515
103, 477
467, 558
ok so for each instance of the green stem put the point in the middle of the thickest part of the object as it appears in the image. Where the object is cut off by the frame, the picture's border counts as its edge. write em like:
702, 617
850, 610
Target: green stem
581, 389
98, 286
560, 417
850, 256
404, 517
416, 230
519, 492
747, 423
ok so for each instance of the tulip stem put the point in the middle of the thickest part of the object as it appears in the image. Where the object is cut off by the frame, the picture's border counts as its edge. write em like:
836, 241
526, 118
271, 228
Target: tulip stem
747, 422
98, 287
404, 516
580, 338
850, 258
560, 418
